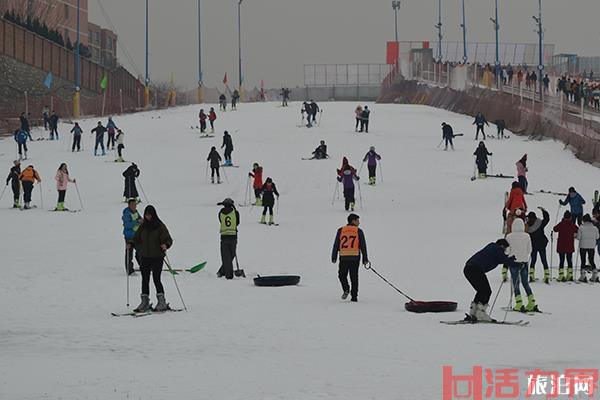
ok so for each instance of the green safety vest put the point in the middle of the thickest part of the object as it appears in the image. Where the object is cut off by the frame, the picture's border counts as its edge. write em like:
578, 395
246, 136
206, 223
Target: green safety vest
228, 223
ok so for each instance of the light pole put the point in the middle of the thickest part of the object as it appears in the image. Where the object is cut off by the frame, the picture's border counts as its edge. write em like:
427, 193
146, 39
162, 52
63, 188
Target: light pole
200, 96
76, 97
497, 29
540, 32
396, 7
439, 29
464, 29
147, 77
240, 42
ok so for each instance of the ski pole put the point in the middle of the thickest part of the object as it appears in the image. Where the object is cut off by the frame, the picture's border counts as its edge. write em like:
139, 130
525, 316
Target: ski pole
512, 288
168, 262
247, 193
492, 164
381, 170
335, 191
127, 271
441, 141
474, 170
41, 195
369, 267
206, 173
142, 189
360, 196
277, 206
79, 195
3, 190
225, 175
361, 167
496, 298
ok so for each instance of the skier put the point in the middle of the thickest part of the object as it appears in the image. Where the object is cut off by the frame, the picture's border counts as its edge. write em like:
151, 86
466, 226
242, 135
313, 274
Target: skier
28, 178
62, 179
587, 236
154, 240
320, 152
480, 121
539, 241
257, 173
111, 128
54, 125
520, 249
25, 124
358, 115
565, 246
364, 121
515, 206
576, 202
229, 219
13, 178
212, 116
481, 159
314, 110
130, 191
120, 145
131, 222
99, 130
500, 126
522, 172
371, 158
202, 116
234, 99
20, 137
350, 243
46, 117
268, 200
285, 96
306, 109
228, 144
76, 131
215, 163
222, 102
447, 135
475, 269
347, 175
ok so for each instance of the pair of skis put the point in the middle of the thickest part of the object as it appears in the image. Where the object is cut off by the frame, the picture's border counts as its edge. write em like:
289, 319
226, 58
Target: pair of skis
470, 321
145, 313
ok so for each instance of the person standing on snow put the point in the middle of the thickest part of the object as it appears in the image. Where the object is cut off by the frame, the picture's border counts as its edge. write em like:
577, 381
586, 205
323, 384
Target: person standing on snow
447, 135
228, 145
130, 174
587, 236
522, 173
350, 243
111, 128
222, 102
20, 137
202, 116
76, 131
99, 130
13, 178
576, 202
234, 99
314, 110
215, 163
25, 125
358, 115
347, 175
520, 249
480, 121
153, 240
269, 191
131, 222
120, 145
500, 126
28, 178
364, 121
539, 241
371, 158
475, 269
46, 117
62, 179
257, 173
212, 117
229, 218
481, 159
54, 125
565, 246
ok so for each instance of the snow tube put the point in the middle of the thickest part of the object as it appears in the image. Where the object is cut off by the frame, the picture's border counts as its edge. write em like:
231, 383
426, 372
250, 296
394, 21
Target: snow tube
430, 306
277, 280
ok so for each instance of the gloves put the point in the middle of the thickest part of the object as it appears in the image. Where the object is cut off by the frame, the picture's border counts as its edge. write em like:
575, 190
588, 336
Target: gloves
333, 259
250, 174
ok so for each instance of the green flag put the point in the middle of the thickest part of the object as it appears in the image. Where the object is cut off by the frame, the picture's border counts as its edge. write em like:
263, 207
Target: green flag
104, 82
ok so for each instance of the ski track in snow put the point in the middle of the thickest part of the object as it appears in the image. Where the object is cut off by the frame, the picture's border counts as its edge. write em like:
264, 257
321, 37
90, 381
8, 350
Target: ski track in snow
64, 274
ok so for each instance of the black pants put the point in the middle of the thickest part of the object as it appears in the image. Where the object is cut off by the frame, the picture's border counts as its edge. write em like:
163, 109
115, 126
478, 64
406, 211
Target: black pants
234, 104
54, 131
364, 125
257, 192
46, 123
523, 183
212, 125
110, 142
213, 171
577, 218
349, 265
480, 283
202, 126
500, 133
269, 208
61, 196
590, 255
479, 128
27, 189
151, 266
120, 150
482, 167
22, 146
228, 251
568, 257
99, 142
448, 141
372, 170
16, 191
76, 143
227, 153
348, 198
357, 123
222, 106
129, 257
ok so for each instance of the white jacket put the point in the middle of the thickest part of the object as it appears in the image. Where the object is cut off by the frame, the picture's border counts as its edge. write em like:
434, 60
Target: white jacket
519, 241
120, 138
587, 236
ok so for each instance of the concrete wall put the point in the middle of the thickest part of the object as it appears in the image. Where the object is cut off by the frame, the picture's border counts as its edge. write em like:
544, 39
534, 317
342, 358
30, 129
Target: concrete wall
339, 93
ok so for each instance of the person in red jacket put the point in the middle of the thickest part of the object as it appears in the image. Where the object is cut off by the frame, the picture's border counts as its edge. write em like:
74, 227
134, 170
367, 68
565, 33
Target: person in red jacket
212, 116
257, 174
515, 206
202, 117
567, 231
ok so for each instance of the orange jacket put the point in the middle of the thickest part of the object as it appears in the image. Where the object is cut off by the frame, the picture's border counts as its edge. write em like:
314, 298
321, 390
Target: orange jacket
516, 199
30, 174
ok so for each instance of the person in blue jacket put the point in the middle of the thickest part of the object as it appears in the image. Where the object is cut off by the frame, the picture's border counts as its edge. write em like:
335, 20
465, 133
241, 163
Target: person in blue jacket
576, 202
131, 222
111, 129
475, 269
76, 131
21, 137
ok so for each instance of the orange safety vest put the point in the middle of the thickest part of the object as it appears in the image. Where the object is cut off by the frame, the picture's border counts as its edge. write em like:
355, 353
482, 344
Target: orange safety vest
349, 243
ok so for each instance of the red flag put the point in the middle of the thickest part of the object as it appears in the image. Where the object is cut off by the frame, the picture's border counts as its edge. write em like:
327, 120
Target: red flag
225, 79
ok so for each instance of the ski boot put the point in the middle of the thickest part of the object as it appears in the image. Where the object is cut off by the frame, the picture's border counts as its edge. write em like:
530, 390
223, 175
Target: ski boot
60, 207
16, 204
481, 314
594, 277
344, 295
263, 219
26, 206
532, 275
547, 276
473, 310
258, 202
569, 277
25, 158
583, 276
144, 305
351, 206
162, 303
271, 222
519, 304
103, 152
531, 306
561, 275
212, 180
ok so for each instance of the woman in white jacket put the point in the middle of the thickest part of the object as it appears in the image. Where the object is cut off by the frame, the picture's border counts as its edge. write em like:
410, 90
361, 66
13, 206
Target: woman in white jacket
587, 236
520, 248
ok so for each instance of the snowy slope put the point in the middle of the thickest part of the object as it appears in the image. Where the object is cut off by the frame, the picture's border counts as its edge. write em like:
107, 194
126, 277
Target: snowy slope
63, 273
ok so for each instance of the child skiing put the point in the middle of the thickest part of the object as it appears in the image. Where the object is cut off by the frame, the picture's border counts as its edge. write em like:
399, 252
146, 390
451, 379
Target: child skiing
539, 241
76, 131
212, 116
371, 158
481, 159
202, 116
229, 218
358, 115
13, 178
120, 145
447, 136
515, 206
480, 121
20, 137
347, 175
99, 130
522, 172
130, 174
215, 163
257, 173
131, 222
28, 178
228, 144
268, 200
62, 179
576, 202
565, 246
520, 249
587, 236
111, 129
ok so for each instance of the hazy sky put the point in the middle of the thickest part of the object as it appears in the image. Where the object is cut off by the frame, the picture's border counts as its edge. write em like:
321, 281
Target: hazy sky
279, 36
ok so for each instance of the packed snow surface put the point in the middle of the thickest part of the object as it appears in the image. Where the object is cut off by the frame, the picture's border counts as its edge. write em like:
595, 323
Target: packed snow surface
63, 273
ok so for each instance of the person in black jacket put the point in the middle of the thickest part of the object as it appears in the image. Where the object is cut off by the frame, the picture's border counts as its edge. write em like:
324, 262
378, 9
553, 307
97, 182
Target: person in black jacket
480, 121
350, 243
53, 126
229, 218
364, 119
228, 144
215, 164
25, 124
130, 174
222, 102
314, 110
320, 152
535, 227
99, 131
481, 159
269, 191
13, 178
500, 126
447, 135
